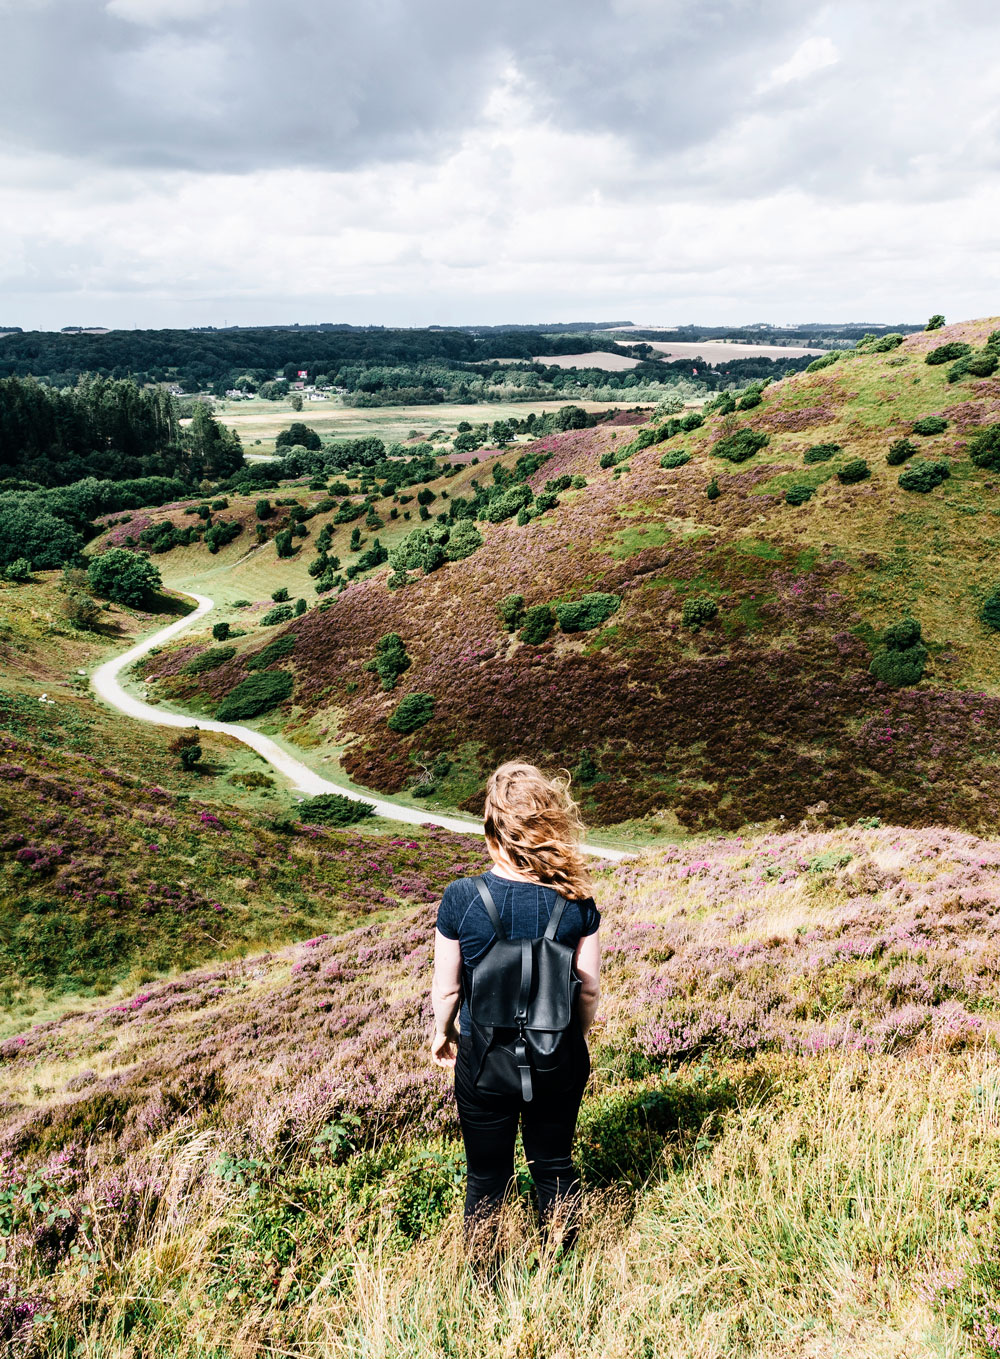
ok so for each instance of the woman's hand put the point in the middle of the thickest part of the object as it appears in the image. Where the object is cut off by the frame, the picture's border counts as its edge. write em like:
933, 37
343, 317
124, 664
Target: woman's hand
444, 1048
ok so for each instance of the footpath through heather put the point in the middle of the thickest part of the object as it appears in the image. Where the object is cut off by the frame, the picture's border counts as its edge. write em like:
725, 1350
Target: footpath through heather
107, 685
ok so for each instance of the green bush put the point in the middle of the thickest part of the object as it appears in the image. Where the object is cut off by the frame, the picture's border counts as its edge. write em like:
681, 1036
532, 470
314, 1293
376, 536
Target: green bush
899, 451
510, 611
698, 611
414, 711
676, 459
984, 448
693, 420
209, 660
220, 632
264, 510
742, 445
723, 404
749, 399
334, 809
990, 611
281, 646
935, 323
123, 576
463, 540
798, 495
281, 613
820, 452
280, 596
854, 471
588, 612
984, 364
255, 695
538, 624
390, 660
18, 571
222, 533
878, 344
900, 659
607, 460
930, 424
947, 353
824, 361
712, 489
505, 506
959, 370
924, 476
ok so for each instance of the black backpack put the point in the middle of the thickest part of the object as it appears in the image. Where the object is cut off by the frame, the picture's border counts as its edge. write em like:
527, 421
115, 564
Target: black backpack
525, 1027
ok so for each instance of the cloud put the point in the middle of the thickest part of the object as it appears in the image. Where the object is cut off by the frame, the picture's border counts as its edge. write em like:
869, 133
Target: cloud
812, 55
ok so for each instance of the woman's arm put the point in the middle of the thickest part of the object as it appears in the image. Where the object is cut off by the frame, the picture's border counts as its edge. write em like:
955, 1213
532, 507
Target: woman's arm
445, 997
587, 961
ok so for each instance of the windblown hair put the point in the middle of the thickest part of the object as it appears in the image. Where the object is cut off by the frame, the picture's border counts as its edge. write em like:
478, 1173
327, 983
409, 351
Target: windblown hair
535, 821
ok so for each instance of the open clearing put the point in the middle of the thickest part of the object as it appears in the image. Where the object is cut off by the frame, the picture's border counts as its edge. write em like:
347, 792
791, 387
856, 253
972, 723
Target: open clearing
720, 351
596, 358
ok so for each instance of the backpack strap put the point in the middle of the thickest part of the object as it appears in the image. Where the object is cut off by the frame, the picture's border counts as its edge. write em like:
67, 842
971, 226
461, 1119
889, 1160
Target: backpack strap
491, 909
520, 1046
554, 918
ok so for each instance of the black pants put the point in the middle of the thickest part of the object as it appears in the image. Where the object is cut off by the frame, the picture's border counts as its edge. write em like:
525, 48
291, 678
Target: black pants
489, 1130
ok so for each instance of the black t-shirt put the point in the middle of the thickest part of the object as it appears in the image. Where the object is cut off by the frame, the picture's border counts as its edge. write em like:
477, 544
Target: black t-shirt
524, 909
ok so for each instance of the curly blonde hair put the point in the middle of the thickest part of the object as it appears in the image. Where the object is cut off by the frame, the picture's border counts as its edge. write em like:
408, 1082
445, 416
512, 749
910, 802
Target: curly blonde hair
531, 816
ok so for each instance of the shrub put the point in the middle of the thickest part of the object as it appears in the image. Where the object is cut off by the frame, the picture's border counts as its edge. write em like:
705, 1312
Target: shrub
820, 452
414, 711
220, 632
712, 490
80, 609
578, 482
607, 460
588, 612
188, 747
947, 353
300, 607
463, 540
899, 451
255, 695
798, 495
545, 502
935, 323
281, 646
698, 611
990, 611
693, 420
901, 657
879, 344
749, 399
334, 809
824, 361
510, 611
18, 571
264, 510
390, 660
209, 660
676, 459
984, 448
924, 476
280, 596
854, 471
984, 364
742, 445
930, 424
283, 543
281, 613
123, 576
538, 624
586, 770
958, 370
252, 778
220, 534
505, 506
723, 404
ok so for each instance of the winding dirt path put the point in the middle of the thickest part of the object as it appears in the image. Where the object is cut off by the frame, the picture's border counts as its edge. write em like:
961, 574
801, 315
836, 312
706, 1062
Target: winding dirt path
106, 683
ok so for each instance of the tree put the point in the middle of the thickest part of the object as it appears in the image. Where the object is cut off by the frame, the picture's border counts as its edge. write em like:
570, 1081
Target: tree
214, 451
29, 531
900, 659
298, 434
125, 577
502, 432
220, 631
295, 401
390, 660
935, 323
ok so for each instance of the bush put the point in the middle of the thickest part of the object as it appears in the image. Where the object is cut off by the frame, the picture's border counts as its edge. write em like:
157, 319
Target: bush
123, 576
334, 809
18, 571
698, 611
510, 611
280, 596
990, 611
749, 399
742, 445
281, 646
712, 490
588, 612
220, 632
820, 452
414, 711
899, 451
984, 364
281, 613
538, 624
463, 540
209, 660
902, 656
264, 510
220, 534
255, 695
390, 660
879, 344
607, 460
958, 370
854, 471
545, 502
693, 420
935, 323
505, 506
924, 476
798, 495
252, 778
947, 353
676, 459
930, 424
984, 448
300, 607
824, 361
283, 543
82, 610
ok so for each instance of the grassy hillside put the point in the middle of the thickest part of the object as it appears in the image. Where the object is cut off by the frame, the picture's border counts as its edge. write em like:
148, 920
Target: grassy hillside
764, 709
790, 1141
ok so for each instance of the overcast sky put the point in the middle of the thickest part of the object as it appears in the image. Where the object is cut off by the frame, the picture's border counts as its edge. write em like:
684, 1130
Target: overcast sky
196, 162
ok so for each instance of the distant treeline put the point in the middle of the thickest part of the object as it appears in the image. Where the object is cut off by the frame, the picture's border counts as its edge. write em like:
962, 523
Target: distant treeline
815, 333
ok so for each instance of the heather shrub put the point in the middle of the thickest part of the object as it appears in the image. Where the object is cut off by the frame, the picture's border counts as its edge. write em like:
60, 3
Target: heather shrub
209, 660
930, 424
899, 451
588, 612
900, 659
984, 448
798, 495
924, 476
281, 613
334, 809
538, 623
414, 711
697, 612
220, 631
989, 613
390, 660
948, 353
854, 471
820, 452
255, 695
742, 445
824, 361
510, 611
675, 459
281, 646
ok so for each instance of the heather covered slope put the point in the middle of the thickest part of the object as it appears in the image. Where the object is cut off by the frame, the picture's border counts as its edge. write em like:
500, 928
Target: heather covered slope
792, 1140
768, 706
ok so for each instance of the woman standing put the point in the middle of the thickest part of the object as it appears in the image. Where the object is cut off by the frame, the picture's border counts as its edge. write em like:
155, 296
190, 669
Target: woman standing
533, 832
